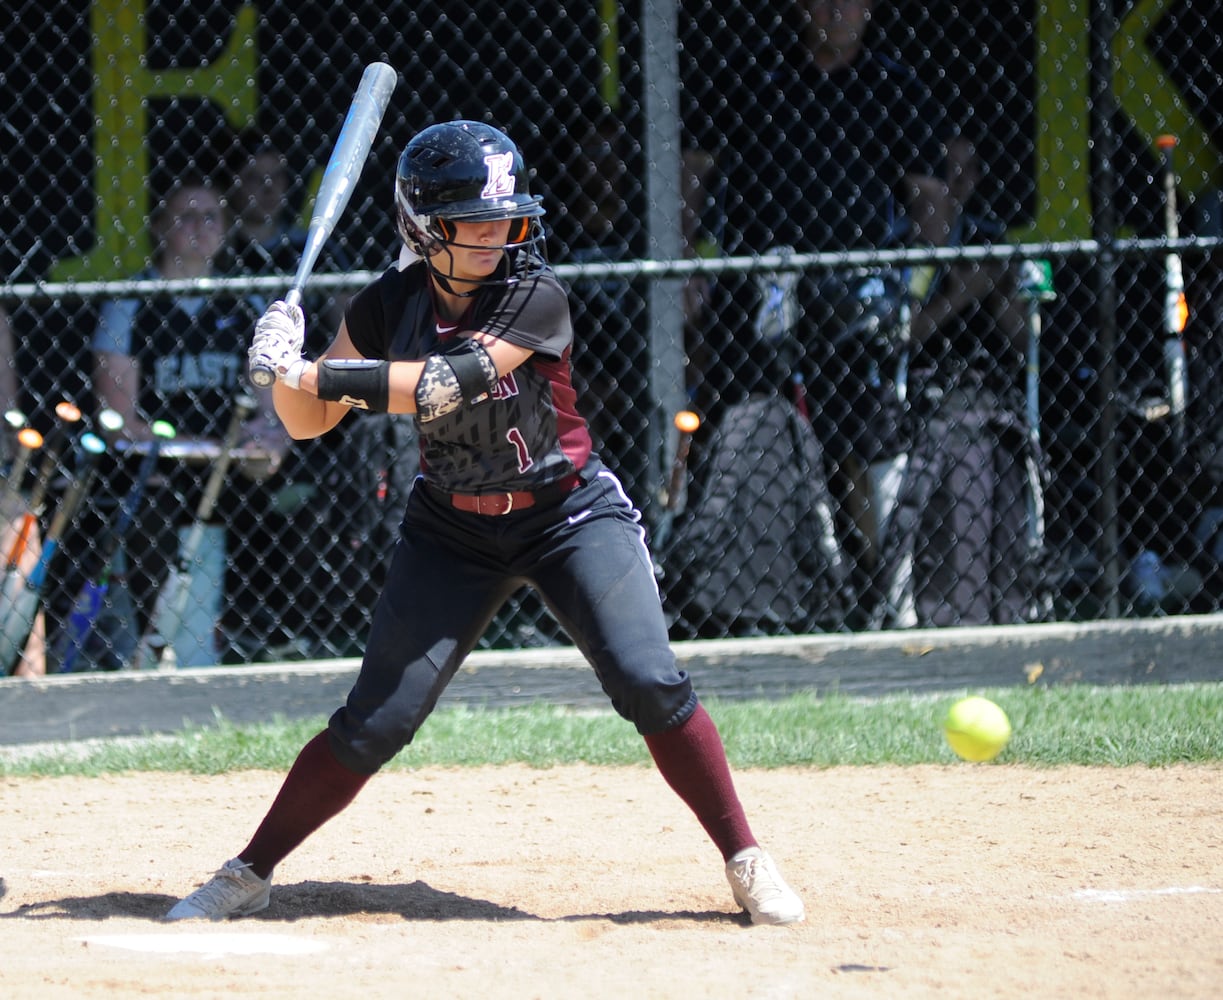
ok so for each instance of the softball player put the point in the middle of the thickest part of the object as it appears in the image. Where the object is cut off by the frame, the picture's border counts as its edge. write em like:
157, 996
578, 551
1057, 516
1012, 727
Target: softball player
472, 334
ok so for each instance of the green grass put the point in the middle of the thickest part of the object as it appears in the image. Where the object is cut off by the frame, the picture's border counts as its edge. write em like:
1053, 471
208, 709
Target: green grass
1145, 725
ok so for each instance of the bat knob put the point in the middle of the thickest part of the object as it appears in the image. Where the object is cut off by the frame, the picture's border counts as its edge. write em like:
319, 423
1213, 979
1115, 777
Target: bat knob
262, 376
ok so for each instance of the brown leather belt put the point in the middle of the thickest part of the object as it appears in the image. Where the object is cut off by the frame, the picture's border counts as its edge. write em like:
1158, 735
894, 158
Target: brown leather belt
496, 504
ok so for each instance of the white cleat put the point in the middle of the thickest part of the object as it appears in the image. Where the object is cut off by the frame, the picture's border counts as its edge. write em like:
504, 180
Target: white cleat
234, 891
760, 889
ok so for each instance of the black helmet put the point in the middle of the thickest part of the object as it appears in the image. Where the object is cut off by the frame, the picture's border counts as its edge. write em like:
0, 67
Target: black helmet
463, 171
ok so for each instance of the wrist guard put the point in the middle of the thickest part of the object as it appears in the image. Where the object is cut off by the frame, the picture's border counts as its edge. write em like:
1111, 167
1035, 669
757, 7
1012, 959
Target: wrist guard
356, 382
292, 376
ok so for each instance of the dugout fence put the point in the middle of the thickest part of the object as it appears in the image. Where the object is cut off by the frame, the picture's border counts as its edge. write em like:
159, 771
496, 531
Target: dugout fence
715, 255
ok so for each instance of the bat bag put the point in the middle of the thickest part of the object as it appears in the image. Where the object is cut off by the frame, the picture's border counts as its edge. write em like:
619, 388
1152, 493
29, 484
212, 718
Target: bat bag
965, 544
756, 552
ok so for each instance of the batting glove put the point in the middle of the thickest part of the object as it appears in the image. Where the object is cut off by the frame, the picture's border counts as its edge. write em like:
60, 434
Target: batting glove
278, 342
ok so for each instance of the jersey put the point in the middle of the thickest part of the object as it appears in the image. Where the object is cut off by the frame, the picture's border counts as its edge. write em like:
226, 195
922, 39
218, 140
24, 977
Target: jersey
191, 351
530, 433
192, 357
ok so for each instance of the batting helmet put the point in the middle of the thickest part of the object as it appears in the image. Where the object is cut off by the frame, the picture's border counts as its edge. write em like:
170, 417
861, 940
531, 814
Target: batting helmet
463, 171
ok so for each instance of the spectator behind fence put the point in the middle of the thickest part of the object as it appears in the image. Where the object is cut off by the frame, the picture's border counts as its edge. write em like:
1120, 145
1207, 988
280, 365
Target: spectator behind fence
611, 353
180, 358
32, 661
334, 522
266, 237
824, 133
965, 544
1173, 539
611, 331
1205, 334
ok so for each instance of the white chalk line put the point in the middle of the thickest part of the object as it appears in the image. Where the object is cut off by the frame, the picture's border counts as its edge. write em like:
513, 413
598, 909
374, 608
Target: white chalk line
209, 945
1133, 895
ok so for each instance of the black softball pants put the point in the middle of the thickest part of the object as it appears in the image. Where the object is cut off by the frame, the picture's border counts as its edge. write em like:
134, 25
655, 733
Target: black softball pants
585, 555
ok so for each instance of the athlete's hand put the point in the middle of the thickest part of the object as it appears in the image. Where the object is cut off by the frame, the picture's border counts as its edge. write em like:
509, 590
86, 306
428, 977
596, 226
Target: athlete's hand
279, 339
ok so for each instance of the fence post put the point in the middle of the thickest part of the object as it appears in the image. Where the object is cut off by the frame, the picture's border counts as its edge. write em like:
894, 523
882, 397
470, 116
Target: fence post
664, 220
1104, 220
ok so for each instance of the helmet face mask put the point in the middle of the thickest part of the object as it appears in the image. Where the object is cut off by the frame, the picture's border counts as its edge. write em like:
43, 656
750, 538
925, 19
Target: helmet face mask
465, 171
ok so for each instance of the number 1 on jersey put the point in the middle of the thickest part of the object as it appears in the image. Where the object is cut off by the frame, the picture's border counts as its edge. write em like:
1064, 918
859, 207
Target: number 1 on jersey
525, 461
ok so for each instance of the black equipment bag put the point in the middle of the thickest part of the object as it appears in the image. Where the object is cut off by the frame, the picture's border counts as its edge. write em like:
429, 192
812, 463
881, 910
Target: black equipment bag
966, 542
757, 552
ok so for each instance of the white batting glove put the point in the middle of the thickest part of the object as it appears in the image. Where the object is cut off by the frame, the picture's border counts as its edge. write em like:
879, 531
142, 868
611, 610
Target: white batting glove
279, 340
286, 321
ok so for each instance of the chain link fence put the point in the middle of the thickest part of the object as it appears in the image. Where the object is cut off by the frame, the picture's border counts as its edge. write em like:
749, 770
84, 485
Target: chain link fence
912, 268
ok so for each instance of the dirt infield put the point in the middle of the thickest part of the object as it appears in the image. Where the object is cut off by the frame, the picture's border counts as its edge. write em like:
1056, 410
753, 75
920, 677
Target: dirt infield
956, 881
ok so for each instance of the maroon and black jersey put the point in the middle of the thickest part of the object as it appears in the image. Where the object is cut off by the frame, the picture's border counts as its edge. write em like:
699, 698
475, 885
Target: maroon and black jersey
529, 433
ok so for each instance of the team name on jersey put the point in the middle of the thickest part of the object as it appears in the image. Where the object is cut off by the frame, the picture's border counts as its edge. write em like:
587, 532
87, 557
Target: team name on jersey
506, 387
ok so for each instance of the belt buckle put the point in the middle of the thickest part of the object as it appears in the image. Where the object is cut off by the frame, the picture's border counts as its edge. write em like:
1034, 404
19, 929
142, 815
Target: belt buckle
490, 498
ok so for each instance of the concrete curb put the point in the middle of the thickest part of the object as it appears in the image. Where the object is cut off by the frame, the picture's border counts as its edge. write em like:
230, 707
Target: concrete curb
1170, 650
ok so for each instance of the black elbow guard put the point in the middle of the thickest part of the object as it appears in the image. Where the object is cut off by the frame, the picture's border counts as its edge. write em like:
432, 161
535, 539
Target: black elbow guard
462, 376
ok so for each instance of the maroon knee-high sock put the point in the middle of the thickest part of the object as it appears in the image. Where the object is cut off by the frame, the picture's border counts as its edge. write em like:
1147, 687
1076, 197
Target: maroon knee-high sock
693, 762
316, 788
